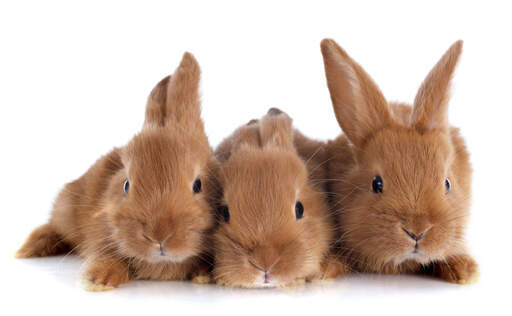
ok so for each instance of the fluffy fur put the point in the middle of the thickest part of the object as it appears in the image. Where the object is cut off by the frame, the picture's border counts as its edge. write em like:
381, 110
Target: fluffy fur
414, 150
156, 230
262, 177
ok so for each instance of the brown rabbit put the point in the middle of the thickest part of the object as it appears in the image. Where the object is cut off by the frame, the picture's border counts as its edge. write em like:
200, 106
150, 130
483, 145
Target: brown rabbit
141, 212
274, 227
401, 176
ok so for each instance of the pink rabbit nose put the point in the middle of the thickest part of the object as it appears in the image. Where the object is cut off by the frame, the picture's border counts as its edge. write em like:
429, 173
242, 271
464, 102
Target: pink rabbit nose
266, 274
162, 252
414, 236
257, 267
266, 278
159, 249
159, 245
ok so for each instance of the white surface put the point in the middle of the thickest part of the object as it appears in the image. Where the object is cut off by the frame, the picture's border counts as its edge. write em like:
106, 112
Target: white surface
73, 84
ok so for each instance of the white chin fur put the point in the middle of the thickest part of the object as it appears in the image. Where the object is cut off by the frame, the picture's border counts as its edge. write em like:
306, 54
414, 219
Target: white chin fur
259, 282
165, 259
420, 257
267, 286
263, 285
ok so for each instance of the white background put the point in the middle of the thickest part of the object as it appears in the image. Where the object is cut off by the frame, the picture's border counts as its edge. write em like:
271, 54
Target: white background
74, 80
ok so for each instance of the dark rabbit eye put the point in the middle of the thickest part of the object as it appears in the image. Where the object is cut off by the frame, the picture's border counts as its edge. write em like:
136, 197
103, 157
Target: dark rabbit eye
197, 186
447, 184
377, 184
126, 186
299, 210
224, 213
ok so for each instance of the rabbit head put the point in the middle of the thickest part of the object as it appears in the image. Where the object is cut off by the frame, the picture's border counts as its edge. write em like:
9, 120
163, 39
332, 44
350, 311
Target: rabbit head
273, 226
404, 193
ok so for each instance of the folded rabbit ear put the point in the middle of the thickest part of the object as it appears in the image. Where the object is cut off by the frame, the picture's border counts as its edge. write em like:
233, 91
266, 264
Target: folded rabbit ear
175, 99
360, 107
247, 136
431, 103
276, 130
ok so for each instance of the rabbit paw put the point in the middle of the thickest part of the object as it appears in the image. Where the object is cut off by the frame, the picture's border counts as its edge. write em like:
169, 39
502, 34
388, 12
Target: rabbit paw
104, 275
90, 286
459, 269
201, 274
202, 279
331, 268
296, 282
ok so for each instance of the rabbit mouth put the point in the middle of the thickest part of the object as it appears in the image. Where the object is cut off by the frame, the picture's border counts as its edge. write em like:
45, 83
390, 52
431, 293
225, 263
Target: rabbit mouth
265, 280
272, 282
416, 251
416, 254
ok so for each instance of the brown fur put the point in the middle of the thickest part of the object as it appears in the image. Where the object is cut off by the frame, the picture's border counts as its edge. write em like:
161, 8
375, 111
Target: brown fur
262, 178
413, 149
118, 233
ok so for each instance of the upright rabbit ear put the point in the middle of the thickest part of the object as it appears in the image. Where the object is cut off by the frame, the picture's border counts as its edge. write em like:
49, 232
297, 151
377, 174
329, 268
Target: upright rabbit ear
276, 130
175, 99
360, 107
155, 108
431, 103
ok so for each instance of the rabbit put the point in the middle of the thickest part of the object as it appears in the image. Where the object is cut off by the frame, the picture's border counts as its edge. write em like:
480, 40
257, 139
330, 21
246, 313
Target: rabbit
400, 175
141, 211
274, 229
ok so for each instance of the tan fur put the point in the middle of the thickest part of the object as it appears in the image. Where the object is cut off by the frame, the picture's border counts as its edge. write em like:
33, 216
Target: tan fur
262, 178
413, 149
117, 233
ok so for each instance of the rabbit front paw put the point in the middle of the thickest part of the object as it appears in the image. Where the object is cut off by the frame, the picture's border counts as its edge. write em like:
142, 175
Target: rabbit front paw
104, 275
460, 269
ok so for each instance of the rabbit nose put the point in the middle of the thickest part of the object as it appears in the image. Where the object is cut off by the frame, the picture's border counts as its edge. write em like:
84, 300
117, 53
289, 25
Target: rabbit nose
416, 237
257, 267
161, 249
266, 273
264, 257
264, 268
159, 245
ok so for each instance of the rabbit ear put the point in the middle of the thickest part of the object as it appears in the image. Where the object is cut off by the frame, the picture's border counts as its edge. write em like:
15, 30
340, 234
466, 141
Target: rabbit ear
155, 108
360, 107
175, 99
247, 136
431, 103
276, 130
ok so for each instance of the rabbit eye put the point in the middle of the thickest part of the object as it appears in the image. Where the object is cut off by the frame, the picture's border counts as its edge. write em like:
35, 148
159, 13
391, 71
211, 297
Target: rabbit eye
447, 184
377, 184
196, 187
224, 213
126, 186
299, 210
